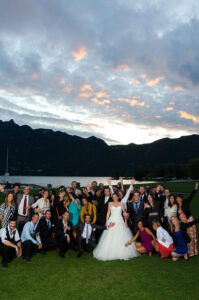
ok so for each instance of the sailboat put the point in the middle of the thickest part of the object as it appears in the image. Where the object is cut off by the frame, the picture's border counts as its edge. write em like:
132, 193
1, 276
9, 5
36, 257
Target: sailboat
6, 174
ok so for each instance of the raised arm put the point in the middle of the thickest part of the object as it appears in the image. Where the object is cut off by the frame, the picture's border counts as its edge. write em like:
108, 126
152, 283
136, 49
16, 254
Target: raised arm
124, 200
189, 199
122, 186
110, 186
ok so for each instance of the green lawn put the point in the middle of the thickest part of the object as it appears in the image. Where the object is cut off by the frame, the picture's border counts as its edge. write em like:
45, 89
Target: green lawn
51, 277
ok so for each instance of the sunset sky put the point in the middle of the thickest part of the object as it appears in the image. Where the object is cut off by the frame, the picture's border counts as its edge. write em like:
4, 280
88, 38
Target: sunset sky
124, 71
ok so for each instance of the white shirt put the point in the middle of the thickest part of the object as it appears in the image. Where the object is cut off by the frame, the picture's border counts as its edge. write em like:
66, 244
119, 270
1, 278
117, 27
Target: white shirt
163, 234
89, 231
42, 205
171, 211
3, 234
166, 203
126, 197
21, 205
65, 224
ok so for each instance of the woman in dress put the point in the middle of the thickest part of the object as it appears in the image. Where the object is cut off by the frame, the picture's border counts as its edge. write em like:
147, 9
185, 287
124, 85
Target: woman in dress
111, 245
181, 238
74, 209
171, 210
152, 211
185, 216
148, 240
7, 210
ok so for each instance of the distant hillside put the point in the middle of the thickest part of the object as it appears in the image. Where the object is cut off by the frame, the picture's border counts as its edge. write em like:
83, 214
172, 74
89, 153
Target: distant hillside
45, 152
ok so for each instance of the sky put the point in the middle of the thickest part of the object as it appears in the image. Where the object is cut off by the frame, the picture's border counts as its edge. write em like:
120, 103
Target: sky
123, 71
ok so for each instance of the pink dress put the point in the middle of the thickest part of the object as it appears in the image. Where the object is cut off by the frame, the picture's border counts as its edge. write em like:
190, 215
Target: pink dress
146, 240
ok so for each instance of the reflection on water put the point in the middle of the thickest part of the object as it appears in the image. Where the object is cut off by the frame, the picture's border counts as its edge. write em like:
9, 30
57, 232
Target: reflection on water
56, 181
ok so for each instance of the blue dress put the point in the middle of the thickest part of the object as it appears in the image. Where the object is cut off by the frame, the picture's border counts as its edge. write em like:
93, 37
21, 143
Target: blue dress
182, 249
74, 212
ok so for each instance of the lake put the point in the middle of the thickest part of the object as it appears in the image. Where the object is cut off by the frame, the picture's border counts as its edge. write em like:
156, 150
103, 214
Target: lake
56, 181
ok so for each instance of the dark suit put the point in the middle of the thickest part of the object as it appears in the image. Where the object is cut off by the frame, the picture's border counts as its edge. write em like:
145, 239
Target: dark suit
21, 220
92, 240
102, 210
144, 198
133, 216
61, 238
46, 234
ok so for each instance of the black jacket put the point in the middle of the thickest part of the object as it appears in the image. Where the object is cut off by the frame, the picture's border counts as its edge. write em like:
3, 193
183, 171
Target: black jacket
186, 204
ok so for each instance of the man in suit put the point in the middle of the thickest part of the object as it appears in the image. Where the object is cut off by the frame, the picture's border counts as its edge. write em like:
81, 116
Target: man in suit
86, 234
103, 207
24, 203
46, 231
135, 209
143, 194
64, 234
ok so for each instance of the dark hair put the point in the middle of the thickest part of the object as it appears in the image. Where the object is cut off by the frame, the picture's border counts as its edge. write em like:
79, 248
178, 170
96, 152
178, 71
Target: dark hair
86, 216
139, 222
172, 195
65, 212
48, 210
35, 214
16, 184
12, 219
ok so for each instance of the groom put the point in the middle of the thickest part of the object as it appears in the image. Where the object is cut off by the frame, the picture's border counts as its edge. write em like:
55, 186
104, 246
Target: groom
86, 234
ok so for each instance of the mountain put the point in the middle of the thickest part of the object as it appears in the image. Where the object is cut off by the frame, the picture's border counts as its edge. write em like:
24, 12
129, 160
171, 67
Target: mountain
46, 152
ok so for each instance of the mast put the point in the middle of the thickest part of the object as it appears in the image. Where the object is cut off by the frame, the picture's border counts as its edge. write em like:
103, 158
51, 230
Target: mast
7, 173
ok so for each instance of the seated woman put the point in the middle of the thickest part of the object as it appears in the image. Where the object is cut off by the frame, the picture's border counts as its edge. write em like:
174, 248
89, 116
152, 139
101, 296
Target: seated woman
185, 216
148, 240
164, 240
7, 210
181, 238
88, 209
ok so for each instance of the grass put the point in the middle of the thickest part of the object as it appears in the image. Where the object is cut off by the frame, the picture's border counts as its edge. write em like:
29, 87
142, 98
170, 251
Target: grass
143, 278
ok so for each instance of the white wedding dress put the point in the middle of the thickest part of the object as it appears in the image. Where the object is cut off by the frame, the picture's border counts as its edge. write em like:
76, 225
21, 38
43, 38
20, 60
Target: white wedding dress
111, 245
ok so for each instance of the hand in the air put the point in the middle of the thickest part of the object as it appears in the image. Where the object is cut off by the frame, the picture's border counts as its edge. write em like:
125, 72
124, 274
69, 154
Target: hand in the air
196, 186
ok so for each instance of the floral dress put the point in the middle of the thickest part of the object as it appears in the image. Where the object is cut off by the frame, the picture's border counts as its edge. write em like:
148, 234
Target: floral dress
191, 231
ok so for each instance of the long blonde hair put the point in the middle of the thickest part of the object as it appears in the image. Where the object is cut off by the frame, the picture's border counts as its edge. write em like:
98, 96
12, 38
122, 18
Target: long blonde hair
12, 201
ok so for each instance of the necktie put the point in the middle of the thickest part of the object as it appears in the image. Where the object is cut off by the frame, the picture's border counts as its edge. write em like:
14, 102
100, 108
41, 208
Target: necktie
86, 233
24, 206
136, 207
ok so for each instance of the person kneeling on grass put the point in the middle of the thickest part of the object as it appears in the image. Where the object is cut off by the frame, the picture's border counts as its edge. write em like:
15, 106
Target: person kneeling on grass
86, 234
181, 238
148, 240
10, 245
31, 241
164, 240
64, 234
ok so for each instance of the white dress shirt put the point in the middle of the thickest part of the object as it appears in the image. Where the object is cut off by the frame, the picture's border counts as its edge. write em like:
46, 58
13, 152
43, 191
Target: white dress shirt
21, 205
163, 234
14, 233
85, 230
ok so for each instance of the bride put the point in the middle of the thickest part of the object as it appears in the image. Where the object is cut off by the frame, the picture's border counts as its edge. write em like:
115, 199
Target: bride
111, 245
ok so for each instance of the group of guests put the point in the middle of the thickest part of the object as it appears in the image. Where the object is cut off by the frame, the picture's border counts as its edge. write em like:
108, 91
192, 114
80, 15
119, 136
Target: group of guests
74, 219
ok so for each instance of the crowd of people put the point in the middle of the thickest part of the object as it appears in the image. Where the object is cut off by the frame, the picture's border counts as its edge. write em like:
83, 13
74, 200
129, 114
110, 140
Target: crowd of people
112, 221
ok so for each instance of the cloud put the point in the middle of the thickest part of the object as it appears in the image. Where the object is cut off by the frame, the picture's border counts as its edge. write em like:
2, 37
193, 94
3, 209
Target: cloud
185, 115
80, 53
102, 61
